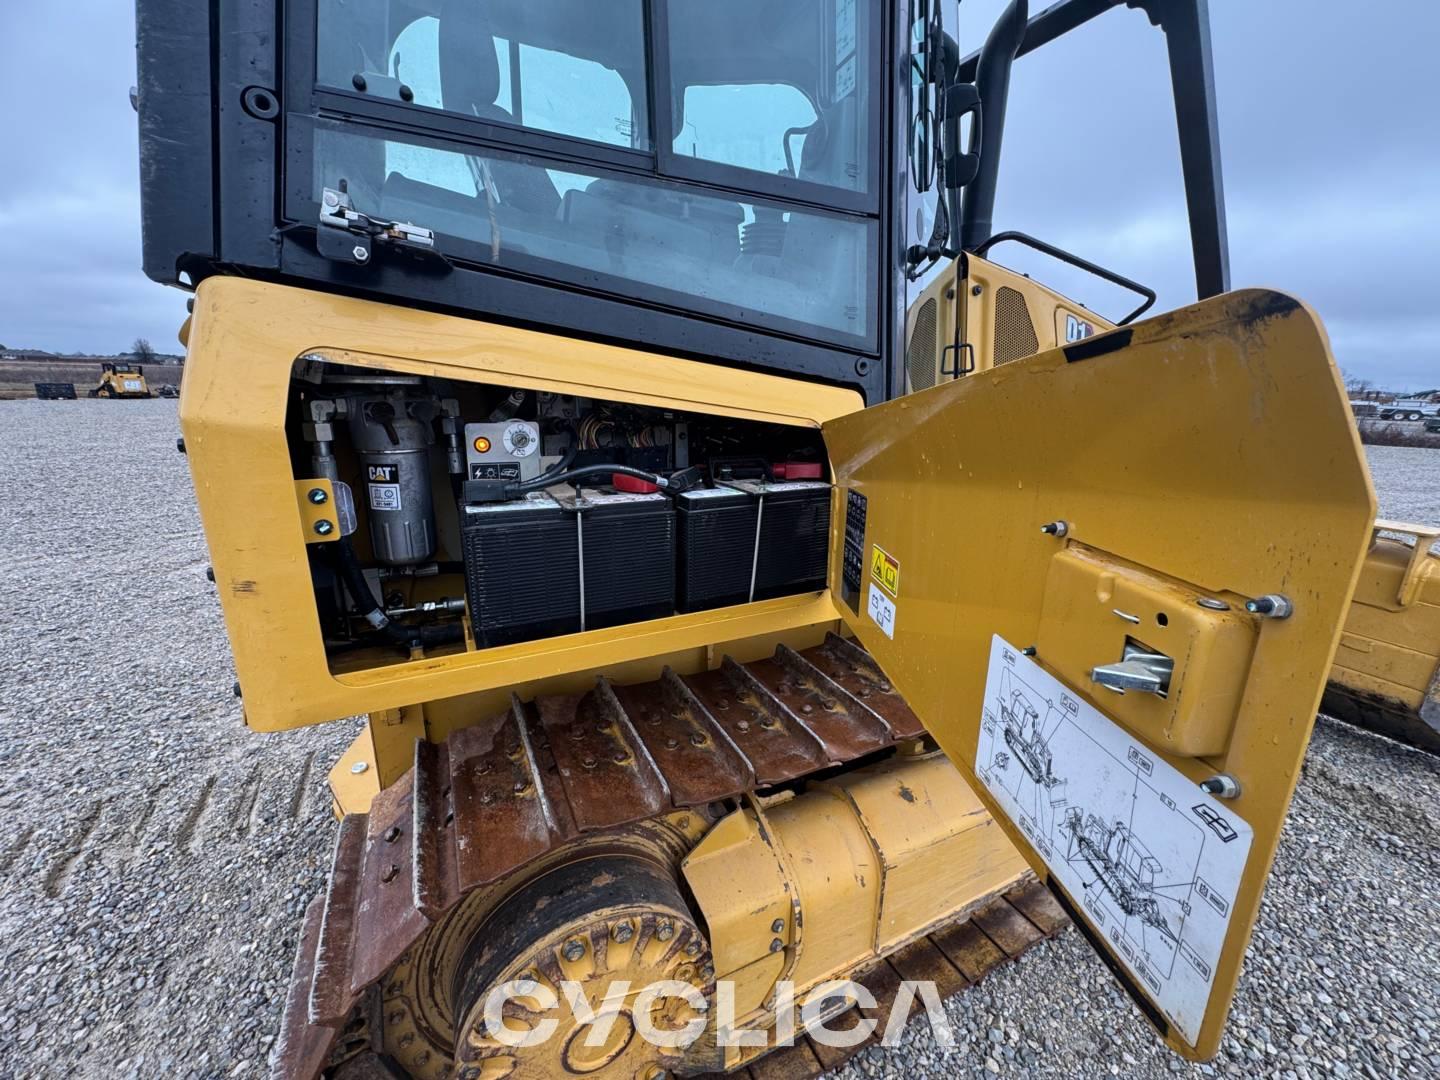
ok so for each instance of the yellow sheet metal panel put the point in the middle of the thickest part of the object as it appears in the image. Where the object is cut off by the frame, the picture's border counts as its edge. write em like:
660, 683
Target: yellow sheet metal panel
1387, 667
1411, 669
939, 849
1096, 606
809, 887
1211, 446
743, 889
836, 876
244, 339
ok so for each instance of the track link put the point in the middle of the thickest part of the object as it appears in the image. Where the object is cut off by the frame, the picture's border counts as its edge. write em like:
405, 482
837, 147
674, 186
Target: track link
497, 796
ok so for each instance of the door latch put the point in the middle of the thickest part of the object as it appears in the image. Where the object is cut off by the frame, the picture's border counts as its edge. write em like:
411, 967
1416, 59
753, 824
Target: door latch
348, 235
1139, 669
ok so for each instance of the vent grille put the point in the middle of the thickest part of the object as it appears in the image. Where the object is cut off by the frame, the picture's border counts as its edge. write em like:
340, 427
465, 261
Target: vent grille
1014, 332
920, 355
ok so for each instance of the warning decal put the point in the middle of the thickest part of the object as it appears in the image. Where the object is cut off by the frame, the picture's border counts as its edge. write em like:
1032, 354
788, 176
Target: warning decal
1152, 861
881, 609
885, 569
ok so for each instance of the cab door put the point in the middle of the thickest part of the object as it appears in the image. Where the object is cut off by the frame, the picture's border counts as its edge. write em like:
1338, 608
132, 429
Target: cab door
1110, 580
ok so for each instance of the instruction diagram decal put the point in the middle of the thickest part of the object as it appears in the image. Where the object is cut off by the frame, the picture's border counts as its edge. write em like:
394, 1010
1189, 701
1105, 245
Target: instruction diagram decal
1154, 861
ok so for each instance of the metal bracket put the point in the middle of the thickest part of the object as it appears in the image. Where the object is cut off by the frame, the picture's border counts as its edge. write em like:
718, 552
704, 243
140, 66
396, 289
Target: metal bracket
348, 235
961, 367
1414, 576
319, 518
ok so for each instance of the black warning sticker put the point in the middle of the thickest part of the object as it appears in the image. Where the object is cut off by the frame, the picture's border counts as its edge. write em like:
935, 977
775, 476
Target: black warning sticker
853, 559
498, 470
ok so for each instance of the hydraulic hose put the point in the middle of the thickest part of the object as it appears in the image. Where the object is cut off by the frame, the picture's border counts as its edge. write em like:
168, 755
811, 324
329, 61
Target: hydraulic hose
360, 592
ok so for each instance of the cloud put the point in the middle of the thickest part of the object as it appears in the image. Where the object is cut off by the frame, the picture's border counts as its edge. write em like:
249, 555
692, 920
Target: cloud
1329, 143
1331, 154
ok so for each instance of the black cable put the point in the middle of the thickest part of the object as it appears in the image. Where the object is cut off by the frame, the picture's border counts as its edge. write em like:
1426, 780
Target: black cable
561, 465
549, 478
359, 589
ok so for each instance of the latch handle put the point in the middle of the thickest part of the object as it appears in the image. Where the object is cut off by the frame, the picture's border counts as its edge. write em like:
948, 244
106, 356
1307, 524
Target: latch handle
1145, 672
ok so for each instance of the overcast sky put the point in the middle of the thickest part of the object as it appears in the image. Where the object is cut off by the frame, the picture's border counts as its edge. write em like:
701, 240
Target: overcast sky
1330, 139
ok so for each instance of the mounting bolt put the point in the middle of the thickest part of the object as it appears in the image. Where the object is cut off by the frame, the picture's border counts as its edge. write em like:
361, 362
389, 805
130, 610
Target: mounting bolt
210, 574
776, 945
574, 950
1212, 603
1028, 650
1221, 785
1056, 528
777, 926
665, 931
324, 527
317, 496
180, 444
623, 932
390, 872
392, 834
359, 767
361, 253
976, 290
1271, 605
693, 949
235, 688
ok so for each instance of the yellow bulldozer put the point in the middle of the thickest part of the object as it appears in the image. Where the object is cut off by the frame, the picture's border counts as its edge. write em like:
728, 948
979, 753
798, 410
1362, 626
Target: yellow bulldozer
762, 628
121, 381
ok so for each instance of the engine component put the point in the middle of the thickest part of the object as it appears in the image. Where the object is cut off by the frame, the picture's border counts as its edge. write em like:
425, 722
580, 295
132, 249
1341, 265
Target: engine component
508, 450
392, 434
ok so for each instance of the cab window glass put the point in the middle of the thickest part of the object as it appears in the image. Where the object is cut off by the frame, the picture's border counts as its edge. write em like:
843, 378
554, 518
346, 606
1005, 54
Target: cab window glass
564, 67
743, 74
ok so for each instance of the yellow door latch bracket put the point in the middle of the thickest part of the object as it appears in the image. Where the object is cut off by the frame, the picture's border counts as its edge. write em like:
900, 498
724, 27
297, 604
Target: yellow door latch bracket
319, 513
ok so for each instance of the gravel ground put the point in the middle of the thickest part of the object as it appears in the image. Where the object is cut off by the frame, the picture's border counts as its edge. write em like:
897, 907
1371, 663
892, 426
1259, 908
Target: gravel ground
162, 855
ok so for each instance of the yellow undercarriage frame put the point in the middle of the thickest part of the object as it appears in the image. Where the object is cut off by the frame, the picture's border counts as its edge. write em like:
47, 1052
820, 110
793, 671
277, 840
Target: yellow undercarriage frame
809, 888
1387, 666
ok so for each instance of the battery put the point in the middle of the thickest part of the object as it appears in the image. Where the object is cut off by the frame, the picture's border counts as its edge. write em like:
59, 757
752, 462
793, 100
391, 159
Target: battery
521, 570
523, 564
752, 540
716, 548
794, 544
628, 546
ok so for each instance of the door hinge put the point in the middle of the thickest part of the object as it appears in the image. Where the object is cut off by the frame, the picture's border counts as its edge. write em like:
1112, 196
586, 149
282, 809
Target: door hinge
348, 235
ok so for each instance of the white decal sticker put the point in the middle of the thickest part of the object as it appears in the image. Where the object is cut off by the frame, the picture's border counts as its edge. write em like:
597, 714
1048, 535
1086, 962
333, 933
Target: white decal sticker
844, 30
1153, 860
845, 79
384, 496
1077, 329
881, 609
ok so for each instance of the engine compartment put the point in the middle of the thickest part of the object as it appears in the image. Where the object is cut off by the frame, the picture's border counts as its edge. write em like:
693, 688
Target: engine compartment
468, 516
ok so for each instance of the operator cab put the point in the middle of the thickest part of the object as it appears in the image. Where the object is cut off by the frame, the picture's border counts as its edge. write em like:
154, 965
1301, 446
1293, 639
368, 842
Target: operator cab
705, 179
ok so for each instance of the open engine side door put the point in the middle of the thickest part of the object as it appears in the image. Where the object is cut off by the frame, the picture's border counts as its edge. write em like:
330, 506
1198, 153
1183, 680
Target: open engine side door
1136, 730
